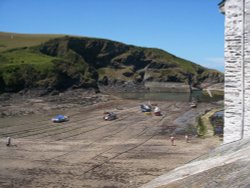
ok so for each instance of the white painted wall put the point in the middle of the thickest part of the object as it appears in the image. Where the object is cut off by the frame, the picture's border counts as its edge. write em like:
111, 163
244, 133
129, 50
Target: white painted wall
237, 70
247, 69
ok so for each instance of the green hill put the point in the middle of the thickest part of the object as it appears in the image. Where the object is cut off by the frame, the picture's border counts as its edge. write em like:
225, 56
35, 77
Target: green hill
15, 40
60, 62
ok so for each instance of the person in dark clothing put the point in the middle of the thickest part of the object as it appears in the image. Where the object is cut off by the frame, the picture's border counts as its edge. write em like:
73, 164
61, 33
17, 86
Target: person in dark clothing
8, 141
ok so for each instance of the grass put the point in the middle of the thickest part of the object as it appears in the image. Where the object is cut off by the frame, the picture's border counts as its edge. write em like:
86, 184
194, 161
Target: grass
20, 55
20, 67
202, 128
163, 56
14, 40
13, 60
24, 56
205, 127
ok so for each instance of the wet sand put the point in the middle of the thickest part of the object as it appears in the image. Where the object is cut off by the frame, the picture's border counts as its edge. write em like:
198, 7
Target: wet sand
90, 152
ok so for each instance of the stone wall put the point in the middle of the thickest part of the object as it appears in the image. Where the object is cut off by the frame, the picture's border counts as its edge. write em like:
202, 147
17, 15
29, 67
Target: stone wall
247, 69
167, 87
237, 70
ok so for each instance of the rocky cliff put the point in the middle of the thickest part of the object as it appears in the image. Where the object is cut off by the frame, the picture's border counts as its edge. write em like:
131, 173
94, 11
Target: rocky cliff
80, 62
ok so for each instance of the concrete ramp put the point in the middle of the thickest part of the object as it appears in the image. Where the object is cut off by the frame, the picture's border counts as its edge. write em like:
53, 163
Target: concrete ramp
225, 166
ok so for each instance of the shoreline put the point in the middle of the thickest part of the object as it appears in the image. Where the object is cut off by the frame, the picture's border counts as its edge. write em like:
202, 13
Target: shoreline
33, 102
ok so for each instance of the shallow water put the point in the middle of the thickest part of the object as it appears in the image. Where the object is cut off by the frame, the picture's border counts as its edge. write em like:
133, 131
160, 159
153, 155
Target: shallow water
219, 113
163, 96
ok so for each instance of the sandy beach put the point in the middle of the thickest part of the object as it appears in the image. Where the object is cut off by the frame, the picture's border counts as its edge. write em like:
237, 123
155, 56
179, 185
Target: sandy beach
89, 152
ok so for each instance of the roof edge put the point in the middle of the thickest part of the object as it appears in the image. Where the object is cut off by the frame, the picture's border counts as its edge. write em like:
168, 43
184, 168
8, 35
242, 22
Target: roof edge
222, 3
222, 6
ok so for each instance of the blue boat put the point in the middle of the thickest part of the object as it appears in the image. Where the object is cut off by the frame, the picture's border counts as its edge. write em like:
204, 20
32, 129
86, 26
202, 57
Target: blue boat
60, 118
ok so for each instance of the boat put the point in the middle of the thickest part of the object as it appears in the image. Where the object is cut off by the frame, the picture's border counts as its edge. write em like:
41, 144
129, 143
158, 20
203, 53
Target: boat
60, 118
157, 111
145, 108
108, 116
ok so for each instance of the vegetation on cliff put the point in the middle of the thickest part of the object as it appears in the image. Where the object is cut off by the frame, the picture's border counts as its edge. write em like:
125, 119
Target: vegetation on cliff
61, 62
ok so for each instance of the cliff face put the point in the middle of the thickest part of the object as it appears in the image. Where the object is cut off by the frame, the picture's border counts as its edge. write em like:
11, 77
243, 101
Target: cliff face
73, 62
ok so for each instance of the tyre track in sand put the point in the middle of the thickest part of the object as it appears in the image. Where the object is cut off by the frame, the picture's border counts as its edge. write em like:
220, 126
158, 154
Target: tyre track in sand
48, 127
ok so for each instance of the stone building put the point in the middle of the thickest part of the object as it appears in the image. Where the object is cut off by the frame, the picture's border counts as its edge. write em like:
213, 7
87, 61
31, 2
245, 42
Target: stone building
237, 69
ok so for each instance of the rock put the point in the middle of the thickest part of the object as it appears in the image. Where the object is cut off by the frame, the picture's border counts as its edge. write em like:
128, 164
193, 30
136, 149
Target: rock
80, 62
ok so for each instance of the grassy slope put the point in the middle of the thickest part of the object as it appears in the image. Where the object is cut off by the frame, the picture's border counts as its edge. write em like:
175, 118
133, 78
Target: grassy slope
16, 58
17, 55
165, 56
14, 40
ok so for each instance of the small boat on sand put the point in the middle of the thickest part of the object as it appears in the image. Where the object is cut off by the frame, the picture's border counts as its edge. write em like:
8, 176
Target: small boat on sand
145, 108
60, 118
108, 116
157, 111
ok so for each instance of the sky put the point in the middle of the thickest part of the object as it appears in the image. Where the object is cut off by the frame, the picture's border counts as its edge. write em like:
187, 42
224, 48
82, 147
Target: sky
190, 29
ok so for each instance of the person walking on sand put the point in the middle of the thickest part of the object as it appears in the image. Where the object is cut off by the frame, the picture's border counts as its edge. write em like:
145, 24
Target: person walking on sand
8, 141
187, 138
172, 139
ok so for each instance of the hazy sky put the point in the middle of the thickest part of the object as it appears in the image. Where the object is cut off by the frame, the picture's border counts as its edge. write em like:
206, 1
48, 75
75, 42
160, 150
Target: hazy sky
191, 29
